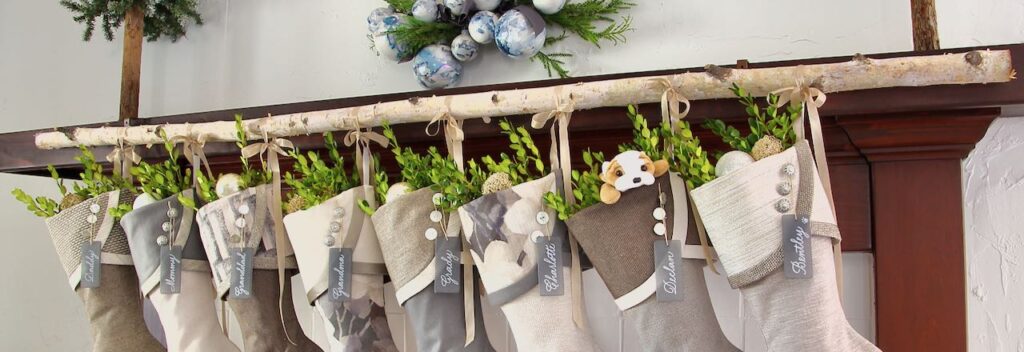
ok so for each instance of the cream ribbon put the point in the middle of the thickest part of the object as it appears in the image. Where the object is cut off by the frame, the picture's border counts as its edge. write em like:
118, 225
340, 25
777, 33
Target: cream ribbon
810, 99
453, 134
671, 100
562, 114
192, 148
362, 140
273, 148
122, 158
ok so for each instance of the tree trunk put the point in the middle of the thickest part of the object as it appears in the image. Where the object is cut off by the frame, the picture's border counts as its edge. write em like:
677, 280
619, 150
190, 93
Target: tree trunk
926, 28
131, 63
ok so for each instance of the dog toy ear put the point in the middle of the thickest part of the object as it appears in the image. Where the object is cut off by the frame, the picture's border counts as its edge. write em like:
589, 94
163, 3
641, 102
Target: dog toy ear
609, 195
660, 167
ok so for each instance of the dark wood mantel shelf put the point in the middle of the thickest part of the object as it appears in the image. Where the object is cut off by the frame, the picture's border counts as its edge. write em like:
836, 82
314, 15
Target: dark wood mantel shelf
894, 154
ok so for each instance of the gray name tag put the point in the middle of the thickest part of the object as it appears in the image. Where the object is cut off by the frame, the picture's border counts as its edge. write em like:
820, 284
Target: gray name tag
170, 269
339, 271
549, 266
91, 265
668, 261
241, 273
796, 246
448, 264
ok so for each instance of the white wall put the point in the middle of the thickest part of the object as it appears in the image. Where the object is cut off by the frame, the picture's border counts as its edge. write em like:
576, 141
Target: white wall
260, 52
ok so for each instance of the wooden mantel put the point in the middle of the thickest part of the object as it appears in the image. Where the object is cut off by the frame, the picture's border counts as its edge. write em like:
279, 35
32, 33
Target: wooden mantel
895, 156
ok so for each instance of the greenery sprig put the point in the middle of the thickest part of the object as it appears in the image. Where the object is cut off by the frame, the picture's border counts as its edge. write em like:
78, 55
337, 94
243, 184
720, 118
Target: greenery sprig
93, 183
681, 147
525, 164
582, 19
161, 17
415, 34
762, 121
433, 170
586, 187
316, 180
403, 6
167, 178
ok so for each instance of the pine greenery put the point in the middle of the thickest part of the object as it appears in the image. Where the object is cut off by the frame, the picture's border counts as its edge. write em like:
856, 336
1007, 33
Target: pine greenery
163, 18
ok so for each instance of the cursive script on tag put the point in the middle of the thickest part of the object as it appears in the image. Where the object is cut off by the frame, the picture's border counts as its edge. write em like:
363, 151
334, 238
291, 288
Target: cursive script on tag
91, 264
241, 268
668, 262
447, 262
796, 247
340, 279
448, 277
549, 269
170, 269
668, 281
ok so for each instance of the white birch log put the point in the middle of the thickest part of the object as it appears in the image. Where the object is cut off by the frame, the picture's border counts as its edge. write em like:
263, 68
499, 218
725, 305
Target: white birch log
861, 73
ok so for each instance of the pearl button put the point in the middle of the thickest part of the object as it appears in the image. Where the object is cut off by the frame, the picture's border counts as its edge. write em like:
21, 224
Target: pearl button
659, 213
243, 209
240, 222
784, 188
329, 241
437, 198
335, 227
543, 218
94, 208
659, 229
789, 169
166, 226
339, 212
172, 213
162, 240
535, 236
435, 216
783, 205
431, 234
91, 218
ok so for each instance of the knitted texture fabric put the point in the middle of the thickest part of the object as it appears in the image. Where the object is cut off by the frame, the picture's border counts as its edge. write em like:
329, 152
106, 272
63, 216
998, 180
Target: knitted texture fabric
498, 227
69, 230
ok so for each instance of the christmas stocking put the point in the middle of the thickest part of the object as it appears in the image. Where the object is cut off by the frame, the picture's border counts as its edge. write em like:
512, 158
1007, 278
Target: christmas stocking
501, 228
188, 316
748, 213
619, 240
114, 308
242, 223
353, 316
438, 319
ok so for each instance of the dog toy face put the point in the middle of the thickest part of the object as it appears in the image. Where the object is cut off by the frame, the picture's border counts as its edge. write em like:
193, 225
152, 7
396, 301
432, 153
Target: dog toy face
628, 170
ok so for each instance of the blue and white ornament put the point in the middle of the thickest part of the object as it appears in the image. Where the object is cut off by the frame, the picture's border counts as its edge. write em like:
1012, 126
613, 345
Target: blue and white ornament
549, 7
459, 7
487, 5
464, 48
520, 32
376, 18
425, 10
435, 67
481, 26
386, 44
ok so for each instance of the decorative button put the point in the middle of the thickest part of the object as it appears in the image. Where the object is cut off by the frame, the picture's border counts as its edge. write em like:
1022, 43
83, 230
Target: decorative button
162, 240
431, 234
659, 213
91, 218
94, 208
789, 169
784, 188
783, 205
240, 222
166, 226
235, 238
659, 229
335, 227
437, 198
339, 212
435, 216
535, 236
543, 218
172, 213
243, 209
329, 241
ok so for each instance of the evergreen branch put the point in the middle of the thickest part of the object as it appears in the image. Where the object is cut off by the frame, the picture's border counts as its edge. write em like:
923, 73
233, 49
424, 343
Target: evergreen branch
580, 19
161, 17
403, 6
415, 34
552, 63
555, 39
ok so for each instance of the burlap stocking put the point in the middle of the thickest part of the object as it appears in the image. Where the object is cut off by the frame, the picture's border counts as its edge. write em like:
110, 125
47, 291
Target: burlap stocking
243, 220
189, 318
619, 240
743, 213
438, 319
498, 227
114, 309
360, 323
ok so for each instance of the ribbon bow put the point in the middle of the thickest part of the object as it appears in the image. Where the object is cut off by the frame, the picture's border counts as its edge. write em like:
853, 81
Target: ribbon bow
453, 134
122, 158
362, 140
192, 147
671, 99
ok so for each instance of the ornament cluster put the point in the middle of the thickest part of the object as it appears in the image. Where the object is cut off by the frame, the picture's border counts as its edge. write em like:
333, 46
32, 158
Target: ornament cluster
518, 31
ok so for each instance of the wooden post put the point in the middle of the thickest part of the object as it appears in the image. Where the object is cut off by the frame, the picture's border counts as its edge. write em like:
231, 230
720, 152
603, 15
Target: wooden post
131, 63
926, 28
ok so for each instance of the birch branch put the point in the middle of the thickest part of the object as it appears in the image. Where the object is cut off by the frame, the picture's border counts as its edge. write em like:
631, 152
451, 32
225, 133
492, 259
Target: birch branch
860, 73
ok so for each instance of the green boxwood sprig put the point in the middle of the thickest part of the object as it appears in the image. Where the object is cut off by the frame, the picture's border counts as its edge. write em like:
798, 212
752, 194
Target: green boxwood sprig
316, 180
762, 121
94, 182
586, 187
166, 178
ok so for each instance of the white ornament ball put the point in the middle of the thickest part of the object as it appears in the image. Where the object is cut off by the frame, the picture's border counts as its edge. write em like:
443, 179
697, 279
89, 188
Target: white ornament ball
549, 7
228, 184
481, 26
520, 32
376, 18
464, 47
397, 190
732, 161
435, 67
425, 10
487, 5
459, 7
142, 200
386, 44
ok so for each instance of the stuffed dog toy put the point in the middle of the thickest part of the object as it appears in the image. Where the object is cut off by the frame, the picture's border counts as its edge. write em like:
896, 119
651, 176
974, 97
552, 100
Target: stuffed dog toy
628, 170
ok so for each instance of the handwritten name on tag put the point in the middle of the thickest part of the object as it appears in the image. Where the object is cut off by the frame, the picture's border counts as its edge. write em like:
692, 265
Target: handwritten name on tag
549, 267
91, 265
170, 269
668, 270
241, 273
339, 288
796, 247
448, 264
